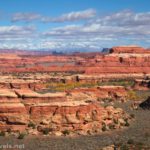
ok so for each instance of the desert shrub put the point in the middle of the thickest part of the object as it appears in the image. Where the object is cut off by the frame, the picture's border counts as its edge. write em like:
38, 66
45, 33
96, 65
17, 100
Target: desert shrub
104, 127
130, 141
124, 147
127, 123
111, 126
9, 130
67, 86
120, 82
46, 131
115, 121
131, 95
66, 132
99, 99
21, 135
117, 143
2, 133
32, 125
107, 99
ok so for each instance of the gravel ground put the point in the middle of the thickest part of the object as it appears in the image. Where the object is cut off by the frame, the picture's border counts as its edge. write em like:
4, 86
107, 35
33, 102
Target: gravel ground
139, 131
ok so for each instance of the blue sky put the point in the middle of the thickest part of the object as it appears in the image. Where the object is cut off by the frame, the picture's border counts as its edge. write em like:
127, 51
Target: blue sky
64, 25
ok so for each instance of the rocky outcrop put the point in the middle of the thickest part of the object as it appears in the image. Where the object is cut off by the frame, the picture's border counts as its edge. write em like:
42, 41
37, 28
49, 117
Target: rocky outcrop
13, 114
142, 84
56, 113
98, 93
128, 49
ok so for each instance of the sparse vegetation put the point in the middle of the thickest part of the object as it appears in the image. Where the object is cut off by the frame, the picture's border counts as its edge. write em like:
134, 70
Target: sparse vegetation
32, 125
104, 127
46, 131
112, 126
121, 82
132, 95
124, 147
21, 135
68, 86
2, 133
66, 132
115, 121
108, 99
130, 141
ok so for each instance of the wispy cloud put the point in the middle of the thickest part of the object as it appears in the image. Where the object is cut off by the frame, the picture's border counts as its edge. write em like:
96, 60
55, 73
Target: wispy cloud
120, 28
72, 16
125, 18
27, 17
11, 32
125, 23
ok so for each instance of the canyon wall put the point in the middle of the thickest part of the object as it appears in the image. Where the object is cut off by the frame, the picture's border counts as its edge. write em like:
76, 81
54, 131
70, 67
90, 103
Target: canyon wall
120, 60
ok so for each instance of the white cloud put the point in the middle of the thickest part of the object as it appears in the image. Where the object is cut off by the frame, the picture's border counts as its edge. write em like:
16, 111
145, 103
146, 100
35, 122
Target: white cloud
13, 32
120, 28
72, 16
120, 24
125, 18
27, 17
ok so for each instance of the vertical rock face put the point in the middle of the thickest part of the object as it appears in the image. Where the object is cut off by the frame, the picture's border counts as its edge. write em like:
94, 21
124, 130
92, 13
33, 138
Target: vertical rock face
121, 60
71, 118
142, 84
130, 49
131, 60
13, 114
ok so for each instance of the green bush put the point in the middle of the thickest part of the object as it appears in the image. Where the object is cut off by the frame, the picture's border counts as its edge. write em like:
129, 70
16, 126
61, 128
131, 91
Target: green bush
120, 82
46, 131
68, 86
130, 141
131, 95
126, 122
66, 132
115, 121
104, 127
32, 125
21, 135
124, 147
2, 133
9, 130
111, 126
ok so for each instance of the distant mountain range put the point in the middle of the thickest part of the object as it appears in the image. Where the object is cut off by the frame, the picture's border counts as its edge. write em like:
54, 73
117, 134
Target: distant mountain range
48, 52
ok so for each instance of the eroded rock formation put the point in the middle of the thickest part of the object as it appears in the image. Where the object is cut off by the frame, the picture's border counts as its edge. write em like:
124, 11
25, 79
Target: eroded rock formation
56, 112
24, 106
120, 60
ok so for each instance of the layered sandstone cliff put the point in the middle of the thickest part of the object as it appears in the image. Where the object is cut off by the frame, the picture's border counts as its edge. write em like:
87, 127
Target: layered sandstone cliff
56, 112
131, 60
